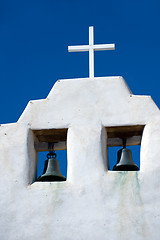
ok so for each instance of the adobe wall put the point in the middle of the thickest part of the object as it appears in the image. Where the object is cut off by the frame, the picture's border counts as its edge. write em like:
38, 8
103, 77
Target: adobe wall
93, 203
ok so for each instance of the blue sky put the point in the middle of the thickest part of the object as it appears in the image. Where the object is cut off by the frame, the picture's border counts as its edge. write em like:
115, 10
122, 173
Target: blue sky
34, 36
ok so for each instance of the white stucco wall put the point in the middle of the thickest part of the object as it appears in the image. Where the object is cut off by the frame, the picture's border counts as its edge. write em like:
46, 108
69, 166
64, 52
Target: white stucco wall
93, 203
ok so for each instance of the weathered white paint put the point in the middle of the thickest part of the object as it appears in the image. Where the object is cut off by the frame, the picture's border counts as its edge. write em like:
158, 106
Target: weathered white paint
93, 203
91, 48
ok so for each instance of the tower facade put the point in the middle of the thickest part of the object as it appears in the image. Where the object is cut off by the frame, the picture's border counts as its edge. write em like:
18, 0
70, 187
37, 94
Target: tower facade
85, 117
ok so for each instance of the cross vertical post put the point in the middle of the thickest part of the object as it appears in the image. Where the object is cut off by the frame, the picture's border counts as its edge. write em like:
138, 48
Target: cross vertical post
91, 53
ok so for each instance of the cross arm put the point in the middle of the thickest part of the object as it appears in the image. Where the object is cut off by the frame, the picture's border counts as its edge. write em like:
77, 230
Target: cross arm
83, 48
101, 47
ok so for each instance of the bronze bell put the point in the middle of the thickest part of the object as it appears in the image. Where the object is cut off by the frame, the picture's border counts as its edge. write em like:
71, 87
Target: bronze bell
124, 160
51, 172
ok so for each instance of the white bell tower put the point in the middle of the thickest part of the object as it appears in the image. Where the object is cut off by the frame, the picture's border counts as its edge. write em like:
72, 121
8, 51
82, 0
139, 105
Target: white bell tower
84, 116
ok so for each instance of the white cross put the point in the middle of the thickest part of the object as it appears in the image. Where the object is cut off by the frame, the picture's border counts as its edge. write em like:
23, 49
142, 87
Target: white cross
91, 47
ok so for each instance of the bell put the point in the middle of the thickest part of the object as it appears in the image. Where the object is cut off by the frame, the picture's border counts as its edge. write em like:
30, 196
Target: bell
51, 172
124, 160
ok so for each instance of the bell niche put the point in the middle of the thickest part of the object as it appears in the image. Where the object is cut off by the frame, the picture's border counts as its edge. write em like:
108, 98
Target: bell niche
51, 142
129, 138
